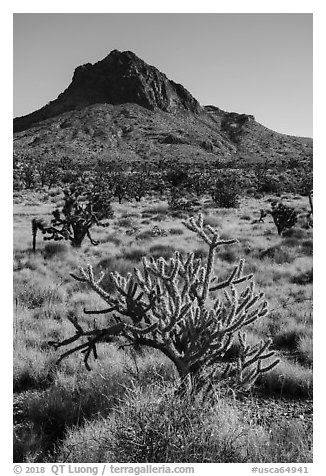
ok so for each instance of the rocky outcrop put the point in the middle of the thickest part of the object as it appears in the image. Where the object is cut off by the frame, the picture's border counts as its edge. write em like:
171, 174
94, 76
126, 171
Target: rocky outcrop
119, 78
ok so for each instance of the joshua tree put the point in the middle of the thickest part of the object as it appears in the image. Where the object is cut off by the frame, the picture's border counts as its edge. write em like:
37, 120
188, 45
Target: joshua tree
139, 185
284, 217
175, 306
48, 172
81, 210
28, 173
120, 185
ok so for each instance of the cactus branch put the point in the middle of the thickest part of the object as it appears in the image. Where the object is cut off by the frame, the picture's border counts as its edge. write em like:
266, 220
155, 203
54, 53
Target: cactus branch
172, 306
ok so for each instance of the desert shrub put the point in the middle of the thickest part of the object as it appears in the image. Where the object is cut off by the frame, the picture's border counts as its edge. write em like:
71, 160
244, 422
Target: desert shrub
161, 250
144, 235
307, 247
112, 238
295, 232
130, 215
157, 210
288, 336
54, 249
70, 400
291, 242
176, 177
125, 222
34, 292
266, 182
213, 221
149, 427
230, 256
155, 426
180, 201
289, 441
199, 183
134, 254
303, 277
176, 231
304, 184
279, 254
226, 192
287, 379
180, 214
158, 218
26, 444
200, 253
305, 350
33, 368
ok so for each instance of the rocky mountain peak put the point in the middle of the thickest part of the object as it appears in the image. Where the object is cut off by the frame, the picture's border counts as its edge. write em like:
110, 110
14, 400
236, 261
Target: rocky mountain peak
121, 77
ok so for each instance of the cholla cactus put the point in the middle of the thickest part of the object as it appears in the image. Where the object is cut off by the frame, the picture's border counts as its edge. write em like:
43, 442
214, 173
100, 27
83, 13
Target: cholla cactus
176, 306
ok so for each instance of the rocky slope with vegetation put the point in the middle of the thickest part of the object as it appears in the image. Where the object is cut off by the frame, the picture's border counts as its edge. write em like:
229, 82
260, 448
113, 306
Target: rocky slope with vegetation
123, 108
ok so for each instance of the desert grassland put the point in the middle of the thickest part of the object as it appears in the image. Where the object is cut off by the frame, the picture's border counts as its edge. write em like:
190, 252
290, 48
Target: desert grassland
124, 410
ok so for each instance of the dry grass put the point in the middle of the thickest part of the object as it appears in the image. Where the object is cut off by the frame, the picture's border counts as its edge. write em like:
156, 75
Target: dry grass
153, 426
65, 406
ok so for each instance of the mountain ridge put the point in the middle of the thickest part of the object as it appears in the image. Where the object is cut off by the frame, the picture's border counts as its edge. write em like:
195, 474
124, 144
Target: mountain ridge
123, 106
121, 77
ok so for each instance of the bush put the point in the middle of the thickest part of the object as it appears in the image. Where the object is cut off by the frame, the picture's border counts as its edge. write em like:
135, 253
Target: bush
176, 231
268, 183
303, 278
53, 249
181, 202
149, 427
288, 379
279, 254
165, 251
35, 291
135, 254
226, 192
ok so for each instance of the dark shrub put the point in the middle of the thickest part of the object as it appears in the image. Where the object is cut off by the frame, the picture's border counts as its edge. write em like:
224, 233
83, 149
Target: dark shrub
134, 254
166, 251
303, 278
226, 192
53, 249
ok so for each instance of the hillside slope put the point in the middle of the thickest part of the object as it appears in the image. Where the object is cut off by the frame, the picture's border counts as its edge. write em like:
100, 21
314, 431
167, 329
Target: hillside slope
123, 108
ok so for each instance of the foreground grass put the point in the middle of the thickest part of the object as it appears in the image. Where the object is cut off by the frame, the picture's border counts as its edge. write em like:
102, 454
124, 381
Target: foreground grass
149, 427
124, 409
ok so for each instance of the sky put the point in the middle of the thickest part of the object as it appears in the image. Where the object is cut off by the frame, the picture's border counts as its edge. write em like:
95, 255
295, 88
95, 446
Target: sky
259, 64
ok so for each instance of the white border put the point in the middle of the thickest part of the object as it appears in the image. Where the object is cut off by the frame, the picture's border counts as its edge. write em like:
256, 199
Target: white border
285, 6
